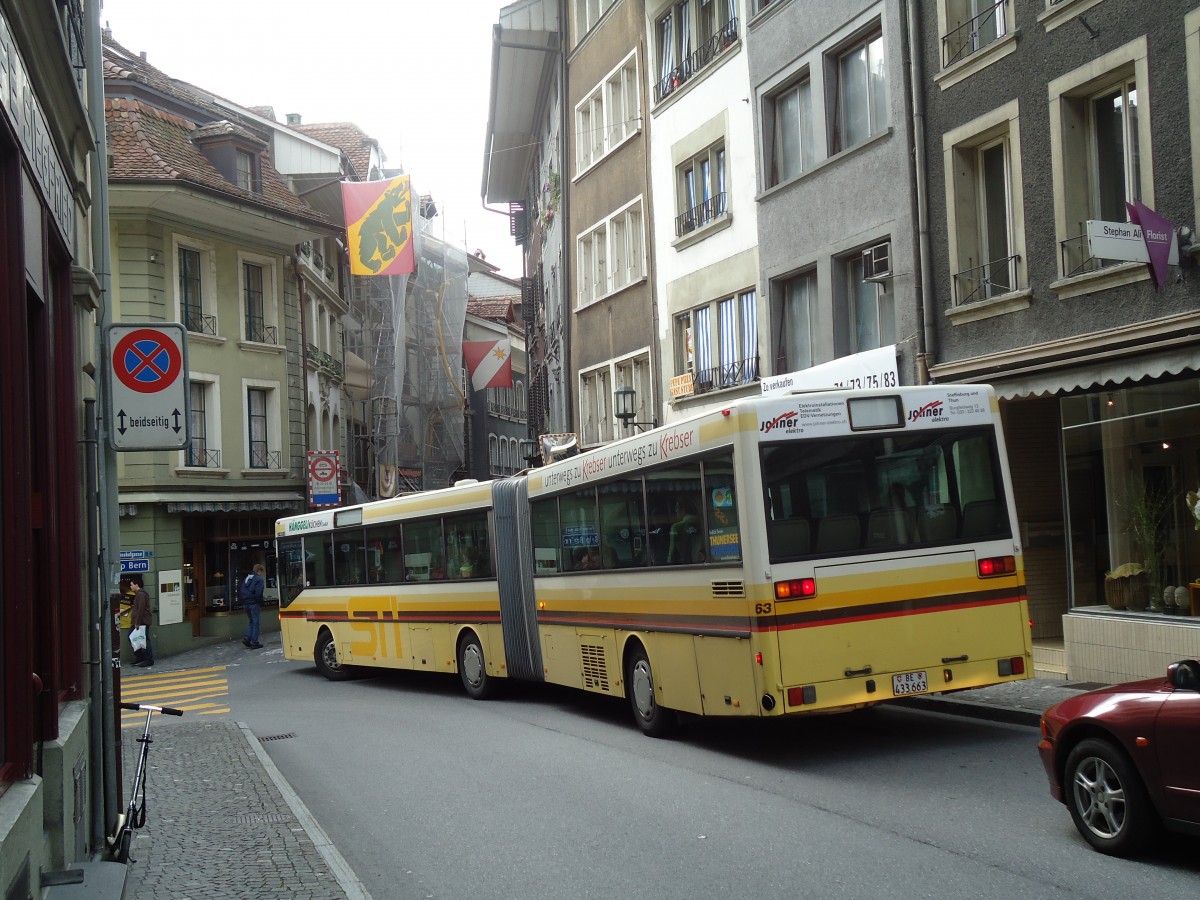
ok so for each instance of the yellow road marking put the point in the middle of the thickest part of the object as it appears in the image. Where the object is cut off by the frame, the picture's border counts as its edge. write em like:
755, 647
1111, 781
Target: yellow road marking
189, 690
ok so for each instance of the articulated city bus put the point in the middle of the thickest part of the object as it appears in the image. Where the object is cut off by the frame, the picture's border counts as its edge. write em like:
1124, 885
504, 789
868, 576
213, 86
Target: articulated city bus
798, 553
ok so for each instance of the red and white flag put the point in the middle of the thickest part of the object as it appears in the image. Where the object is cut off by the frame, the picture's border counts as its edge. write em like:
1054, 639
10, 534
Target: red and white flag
489, 363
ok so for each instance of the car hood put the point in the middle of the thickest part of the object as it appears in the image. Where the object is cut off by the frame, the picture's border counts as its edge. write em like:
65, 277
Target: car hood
1106, 698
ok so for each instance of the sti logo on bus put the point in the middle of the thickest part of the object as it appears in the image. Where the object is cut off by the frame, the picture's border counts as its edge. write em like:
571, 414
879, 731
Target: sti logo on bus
783, 420
931, 410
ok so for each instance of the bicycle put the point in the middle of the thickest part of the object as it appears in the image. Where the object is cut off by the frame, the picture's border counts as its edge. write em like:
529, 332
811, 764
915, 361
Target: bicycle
135, 815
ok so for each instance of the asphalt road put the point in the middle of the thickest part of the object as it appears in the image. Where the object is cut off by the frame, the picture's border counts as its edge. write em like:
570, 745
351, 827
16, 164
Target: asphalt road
547, 793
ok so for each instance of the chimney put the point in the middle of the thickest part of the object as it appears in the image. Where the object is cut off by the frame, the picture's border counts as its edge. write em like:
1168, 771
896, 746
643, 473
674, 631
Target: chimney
143, 55
293, 118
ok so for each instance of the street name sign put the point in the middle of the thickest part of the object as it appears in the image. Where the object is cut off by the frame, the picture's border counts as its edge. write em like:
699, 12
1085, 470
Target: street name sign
148, 396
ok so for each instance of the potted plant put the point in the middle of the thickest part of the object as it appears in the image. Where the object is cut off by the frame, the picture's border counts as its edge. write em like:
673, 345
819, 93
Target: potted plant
1147, 509
1126, 587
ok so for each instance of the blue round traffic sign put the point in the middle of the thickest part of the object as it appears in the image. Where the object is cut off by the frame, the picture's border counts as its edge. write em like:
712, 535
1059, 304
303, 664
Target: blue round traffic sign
147, 361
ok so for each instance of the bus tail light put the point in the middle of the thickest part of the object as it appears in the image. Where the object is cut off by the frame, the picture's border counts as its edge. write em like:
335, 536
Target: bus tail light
997, 565
795, 588
1012, 666
799, 696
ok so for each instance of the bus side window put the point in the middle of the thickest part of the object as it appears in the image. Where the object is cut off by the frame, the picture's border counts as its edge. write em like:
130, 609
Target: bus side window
544, 525
724, 539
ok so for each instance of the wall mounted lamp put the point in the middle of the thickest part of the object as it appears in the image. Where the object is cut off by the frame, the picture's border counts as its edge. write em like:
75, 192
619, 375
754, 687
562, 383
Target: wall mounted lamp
625, 408
528, 450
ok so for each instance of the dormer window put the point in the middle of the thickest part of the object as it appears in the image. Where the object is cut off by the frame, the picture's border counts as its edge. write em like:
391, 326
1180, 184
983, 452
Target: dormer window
245, 170
234, 151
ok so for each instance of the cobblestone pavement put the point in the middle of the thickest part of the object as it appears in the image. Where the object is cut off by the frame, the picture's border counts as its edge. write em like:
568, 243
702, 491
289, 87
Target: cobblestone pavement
233, 829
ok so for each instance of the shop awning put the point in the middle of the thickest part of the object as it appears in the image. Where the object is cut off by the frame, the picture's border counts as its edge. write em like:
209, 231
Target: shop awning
224, 502
1153, 349
1103, 373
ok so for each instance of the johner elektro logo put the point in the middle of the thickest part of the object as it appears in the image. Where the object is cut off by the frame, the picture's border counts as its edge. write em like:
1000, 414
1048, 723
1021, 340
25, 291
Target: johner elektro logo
784, 420
931, 410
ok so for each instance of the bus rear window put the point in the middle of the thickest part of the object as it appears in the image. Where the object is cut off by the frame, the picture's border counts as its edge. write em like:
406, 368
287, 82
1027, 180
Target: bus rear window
865, 493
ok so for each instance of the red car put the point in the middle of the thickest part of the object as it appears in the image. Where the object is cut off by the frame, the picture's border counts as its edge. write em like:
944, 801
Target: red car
1125, 760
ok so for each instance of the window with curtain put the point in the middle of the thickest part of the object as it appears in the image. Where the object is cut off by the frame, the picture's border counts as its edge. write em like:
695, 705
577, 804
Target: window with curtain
253, 287
256, 429
795, 327
198, 453
873, 320
792, 150
860, 105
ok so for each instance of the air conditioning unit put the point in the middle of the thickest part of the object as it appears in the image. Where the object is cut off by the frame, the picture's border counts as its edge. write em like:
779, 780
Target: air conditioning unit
877, 262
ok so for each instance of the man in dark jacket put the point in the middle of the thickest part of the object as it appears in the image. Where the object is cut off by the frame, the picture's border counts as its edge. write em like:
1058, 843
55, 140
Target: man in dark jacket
250, 592
140, 615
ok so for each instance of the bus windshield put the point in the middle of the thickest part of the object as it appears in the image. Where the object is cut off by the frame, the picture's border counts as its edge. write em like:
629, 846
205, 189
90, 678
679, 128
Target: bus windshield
865, 493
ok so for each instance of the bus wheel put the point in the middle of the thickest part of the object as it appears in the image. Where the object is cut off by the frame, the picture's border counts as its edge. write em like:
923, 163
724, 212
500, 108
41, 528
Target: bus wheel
472, 668
325, 657
654, 720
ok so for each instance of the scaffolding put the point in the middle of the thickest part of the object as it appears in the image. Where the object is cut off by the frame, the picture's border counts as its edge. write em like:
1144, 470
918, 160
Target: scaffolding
412, 331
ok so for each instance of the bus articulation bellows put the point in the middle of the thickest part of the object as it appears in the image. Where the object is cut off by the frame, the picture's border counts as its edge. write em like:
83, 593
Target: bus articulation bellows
812, 552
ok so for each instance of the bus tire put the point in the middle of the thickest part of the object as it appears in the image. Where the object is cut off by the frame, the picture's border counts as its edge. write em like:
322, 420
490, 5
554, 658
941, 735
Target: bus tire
325, 658
654, 720
472, 668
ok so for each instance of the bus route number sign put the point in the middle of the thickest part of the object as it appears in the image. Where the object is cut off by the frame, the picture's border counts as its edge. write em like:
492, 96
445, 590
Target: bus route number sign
910, 683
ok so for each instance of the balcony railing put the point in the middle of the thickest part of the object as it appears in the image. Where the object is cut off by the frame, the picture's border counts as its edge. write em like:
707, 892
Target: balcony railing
706, 53
1077, 259
203, 459
712, 208
974, 34
323, 360
195, 321
742, 371
261, 333
262, 458
984, 282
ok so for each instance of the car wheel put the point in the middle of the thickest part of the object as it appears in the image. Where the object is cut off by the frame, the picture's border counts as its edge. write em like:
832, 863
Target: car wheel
654, 720
325, 657
1107, 799
472, 668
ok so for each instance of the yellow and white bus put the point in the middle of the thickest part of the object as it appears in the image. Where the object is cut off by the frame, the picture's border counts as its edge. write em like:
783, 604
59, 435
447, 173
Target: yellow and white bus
790, 554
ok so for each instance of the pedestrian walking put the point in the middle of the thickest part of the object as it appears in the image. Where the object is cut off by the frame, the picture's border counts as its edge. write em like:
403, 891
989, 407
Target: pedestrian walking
250, 592
140, 616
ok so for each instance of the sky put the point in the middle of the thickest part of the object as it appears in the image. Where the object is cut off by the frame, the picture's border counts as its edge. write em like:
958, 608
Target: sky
414, 74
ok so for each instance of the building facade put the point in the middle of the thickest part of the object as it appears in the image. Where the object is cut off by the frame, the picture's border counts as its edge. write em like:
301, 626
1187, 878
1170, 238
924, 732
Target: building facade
523, 169
835, 192
609, 233
1042, 118
58, 747
703, 176
205, 231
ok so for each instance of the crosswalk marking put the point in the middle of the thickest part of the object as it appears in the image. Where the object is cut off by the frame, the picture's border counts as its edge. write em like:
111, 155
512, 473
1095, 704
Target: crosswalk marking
192, 690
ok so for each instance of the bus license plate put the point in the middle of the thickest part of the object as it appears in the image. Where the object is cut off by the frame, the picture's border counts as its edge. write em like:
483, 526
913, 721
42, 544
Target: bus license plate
910, 683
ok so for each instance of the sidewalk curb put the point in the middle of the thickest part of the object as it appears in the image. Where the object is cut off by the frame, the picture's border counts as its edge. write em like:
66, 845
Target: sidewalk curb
974, 710
341, 869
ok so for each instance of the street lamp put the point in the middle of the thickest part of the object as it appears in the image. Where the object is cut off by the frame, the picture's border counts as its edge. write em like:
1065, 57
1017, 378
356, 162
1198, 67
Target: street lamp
625, 408
528, 449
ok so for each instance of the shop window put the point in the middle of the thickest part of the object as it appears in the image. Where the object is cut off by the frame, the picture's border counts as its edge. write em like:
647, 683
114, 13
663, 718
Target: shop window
1132, 456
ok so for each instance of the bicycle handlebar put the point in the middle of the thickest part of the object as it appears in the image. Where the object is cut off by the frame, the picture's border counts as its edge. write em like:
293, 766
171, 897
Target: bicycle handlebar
165, 710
